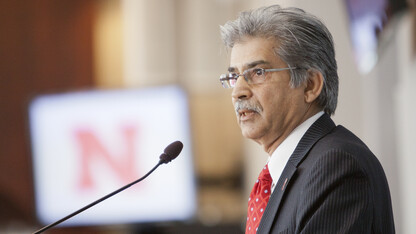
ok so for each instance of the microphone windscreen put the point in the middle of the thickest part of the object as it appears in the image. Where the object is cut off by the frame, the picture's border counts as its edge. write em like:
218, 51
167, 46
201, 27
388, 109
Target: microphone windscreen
171, 152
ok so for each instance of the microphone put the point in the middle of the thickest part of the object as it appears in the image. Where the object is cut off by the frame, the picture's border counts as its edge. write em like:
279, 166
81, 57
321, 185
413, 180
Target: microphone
171, 152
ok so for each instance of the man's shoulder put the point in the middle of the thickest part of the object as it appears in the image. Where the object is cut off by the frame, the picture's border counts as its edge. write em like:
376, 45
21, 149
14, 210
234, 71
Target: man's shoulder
326, 140
341, 136
341, 142
327, 136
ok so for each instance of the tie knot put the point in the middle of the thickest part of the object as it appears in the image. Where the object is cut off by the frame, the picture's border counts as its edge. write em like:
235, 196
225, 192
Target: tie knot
265, 175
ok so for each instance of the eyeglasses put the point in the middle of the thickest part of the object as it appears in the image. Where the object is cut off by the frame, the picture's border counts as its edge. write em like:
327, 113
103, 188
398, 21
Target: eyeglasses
252, 76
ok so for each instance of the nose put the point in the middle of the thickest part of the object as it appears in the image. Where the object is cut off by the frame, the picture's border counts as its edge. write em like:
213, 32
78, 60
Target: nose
241, 89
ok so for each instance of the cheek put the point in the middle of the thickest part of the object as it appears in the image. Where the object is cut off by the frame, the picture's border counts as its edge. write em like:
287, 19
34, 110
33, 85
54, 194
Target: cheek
280, 102
274, 100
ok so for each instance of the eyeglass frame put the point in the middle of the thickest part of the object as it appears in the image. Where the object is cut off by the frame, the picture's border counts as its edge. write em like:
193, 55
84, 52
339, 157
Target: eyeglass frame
226, 77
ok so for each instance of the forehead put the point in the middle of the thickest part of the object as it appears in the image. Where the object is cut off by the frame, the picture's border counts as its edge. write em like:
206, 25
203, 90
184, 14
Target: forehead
250, 50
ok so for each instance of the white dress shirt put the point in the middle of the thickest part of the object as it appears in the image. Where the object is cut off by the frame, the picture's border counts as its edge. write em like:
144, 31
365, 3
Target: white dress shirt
278, 159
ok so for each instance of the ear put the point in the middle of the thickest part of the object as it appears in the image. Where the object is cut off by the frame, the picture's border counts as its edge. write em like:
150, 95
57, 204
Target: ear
314, 85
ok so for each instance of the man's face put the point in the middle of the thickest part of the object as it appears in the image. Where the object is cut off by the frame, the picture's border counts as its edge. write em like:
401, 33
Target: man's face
270, 110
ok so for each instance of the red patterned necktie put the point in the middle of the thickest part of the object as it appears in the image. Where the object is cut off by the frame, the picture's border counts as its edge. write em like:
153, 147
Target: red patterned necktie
258, 199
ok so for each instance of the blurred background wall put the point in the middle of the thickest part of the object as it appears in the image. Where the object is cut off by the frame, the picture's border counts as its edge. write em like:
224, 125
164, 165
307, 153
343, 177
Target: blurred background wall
51, 46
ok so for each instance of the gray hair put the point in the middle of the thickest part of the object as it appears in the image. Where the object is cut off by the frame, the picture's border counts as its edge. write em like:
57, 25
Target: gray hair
304, 42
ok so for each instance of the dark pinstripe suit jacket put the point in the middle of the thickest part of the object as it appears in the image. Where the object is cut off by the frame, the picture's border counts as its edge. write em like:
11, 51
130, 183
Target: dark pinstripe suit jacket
332, 183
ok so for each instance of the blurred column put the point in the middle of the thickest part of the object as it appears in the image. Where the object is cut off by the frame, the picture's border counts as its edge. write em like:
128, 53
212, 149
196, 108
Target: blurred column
108, 44
203, 57
405, 131
149, 29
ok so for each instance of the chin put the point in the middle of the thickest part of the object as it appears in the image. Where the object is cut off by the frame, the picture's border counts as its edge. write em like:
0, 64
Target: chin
249, 133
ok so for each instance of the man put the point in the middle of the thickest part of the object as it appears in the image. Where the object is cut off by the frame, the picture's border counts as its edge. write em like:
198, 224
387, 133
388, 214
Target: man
321, 177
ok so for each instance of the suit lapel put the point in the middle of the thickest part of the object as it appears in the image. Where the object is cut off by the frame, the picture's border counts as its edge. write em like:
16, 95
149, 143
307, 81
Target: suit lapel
320, 128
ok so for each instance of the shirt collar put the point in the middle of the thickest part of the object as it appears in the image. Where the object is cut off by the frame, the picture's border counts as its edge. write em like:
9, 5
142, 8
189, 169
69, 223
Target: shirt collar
279, 158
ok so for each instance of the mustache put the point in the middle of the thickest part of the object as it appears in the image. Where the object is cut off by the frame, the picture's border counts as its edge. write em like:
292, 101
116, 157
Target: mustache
248, 106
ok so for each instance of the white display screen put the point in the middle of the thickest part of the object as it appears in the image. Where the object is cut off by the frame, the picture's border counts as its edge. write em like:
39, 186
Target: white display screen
88, 144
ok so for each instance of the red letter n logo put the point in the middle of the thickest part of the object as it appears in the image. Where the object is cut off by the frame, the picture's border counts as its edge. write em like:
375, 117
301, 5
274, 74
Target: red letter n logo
92, 150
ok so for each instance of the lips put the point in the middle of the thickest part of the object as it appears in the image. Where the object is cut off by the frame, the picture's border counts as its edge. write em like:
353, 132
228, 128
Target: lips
246, 114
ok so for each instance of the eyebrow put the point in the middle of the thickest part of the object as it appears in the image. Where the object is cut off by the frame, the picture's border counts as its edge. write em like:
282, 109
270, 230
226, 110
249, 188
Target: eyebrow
249, 65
